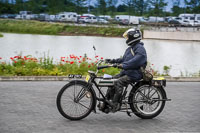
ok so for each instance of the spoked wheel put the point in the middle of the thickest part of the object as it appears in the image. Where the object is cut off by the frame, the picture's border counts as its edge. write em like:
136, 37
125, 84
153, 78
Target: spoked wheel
75, 101
147, 101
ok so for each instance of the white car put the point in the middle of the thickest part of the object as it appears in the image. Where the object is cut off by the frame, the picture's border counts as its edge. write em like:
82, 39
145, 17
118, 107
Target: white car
102, 21
83, 20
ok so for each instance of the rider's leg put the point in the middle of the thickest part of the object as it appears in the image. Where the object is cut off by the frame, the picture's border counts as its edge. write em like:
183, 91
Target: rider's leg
119, 85
111, 90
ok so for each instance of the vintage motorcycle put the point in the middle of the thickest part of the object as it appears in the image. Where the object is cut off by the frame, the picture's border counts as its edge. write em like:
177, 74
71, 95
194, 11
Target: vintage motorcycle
77, 99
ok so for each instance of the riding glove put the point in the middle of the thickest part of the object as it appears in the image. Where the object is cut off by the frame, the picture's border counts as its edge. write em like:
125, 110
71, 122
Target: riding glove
109, 61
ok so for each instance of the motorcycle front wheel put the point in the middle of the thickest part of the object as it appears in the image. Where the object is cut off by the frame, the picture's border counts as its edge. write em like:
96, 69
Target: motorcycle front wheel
147, 101
75, 101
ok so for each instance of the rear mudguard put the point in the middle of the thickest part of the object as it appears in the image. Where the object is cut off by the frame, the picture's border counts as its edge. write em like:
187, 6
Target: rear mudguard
90, 88
140, 83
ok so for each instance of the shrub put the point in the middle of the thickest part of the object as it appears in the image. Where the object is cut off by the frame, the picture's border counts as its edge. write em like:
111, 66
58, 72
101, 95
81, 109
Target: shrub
31, 66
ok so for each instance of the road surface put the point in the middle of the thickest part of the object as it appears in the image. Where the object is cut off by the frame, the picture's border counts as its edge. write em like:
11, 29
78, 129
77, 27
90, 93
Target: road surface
30, 107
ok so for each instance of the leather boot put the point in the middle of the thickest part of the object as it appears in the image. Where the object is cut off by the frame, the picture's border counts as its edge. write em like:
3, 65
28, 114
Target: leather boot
115, 103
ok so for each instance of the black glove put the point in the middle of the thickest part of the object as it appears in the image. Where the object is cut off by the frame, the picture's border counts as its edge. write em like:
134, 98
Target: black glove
109, 60
118, 66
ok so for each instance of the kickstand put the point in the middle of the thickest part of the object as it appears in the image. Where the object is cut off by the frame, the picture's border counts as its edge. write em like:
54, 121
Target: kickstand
128, 113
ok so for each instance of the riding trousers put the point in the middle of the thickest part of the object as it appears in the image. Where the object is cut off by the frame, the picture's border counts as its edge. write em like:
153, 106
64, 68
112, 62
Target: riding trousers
115, 92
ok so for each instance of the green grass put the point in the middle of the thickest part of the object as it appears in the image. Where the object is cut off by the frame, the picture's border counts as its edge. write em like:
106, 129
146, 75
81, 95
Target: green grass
1, 35
36, 27
32, 27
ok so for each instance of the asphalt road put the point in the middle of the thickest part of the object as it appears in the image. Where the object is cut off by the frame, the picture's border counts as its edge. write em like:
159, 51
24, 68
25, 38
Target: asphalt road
30, 107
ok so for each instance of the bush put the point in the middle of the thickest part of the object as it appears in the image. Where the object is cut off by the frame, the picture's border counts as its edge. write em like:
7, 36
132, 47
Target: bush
30, 66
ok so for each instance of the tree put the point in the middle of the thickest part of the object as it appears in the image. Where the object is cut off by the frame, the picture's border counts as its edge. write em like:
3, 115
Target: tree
131, 6
193, 6
80, 6
111, 6
34, 5
156, 7
121, 8
20, 5
101, 5
141, 6
6, 8
176, 9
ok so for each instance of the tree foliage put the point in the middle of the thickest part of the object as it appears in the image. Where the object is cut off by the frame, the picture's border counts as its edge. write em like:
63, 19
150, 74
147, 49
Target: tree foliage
156, 7
101, 7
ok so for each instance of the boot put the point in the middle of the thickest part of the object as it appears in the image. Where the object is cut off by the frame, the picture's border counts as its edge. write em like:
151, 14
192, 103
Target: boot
110, 93
115, 103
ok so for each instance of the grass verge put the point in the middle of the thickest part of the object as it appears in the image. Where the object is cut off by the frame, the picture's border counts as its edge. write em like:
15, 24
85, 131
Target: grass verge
36, 27
1, 35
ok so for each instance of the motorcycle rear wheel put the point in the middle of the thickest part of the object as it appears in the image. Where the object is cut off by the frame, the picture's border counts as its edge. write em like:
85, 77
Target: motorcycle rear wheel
146, 101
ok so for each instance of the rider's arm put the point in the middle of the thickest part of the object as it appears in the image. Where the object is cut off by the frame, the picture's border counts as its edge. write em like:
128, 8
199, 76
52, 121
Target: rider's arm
137, 61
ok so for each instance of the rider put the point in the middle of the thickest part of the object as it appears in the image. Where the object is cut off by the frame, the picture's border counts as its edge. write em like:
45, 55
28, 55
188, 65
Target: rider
133, 59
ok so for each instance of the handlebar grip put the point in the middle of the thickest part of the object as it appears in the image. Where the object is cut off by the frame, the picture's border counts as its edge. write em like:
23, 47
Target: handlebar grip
102, 67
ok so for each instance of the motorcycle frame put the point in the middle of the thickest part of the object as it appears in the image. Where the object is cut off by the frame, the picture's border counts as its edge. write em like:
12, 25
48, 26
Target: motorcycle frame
92, 81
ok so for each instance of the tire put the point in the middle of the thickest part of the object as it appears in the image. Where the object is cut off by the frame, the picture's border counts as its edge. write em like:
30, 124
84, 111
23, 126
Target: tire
75, 101
144, 109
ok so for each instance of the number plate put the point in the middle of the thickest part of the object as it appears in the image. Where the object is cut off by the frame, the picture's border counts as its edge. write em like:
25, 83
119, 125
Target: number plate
74, 76
87, 78
160, 81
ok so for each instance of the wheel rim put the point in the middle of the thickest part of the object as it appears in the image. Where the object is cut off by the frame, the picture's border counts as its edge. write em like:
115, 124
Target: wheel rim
76, 101
145, 100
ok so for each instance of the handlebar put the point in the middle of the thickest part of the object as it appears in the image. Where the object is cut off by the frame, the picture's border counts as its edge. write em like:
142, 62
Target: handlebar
102, 67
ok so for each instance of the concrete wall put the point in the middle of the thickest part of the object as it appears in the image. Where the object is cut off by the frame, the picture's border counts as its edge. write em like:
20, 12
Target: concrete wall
188, 36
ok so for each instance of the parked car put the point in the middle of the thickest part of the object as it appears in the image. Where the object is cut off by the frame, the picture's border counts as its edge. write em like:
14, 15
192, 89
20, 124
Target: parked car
11, 15
18, 16
121, 17
86, 19
173, 22
190, 19
83, 19
4, 16
106, 17
143, 20
43, 17
92, 19
102, 21
68, 16
153, 19
134, 20
124, 22
179, 21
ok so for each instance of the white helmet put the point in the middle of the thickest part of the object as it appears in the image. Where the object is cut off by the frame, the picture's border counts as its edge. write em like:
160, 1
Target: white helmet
132, 35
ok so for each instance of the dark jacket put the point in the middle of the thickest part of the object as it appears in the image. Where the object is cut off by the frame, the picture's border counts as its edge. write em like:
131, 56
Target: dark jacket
131, 64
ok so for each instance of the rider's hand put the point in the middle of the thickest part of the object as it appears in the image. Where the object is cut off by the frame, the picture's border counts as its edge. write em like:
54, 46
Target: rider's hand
109, 61
118, 66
